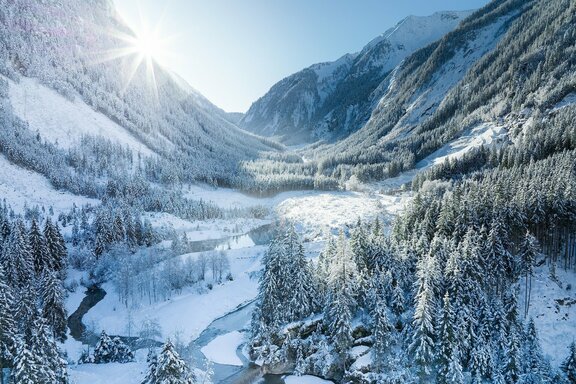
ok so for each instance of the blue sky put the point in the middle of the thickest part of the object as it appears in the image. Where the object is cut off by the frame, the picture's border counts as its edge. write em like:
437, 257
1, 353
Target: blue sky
233, 51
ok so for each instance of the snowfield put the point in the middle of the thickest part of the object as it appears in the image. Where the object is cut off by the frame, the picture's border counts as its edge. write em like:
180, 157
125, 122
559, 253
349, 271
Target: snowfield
321, 212
565, 102
112, 373
315, 212
304, 379
553, 308
21, 187
186, 315
61, 121
222, 350
485, 134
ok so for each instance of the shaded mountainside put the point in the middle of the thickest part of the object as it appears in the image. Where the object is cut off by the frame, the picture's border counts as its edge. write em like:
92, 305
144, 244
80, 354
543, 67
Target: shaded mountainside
506, 63
331, 100
77, 52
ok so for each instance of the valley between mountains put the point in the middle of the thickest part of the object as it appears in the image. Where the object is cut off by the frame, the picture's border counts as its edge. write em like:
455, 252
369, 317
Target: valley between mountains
403, 214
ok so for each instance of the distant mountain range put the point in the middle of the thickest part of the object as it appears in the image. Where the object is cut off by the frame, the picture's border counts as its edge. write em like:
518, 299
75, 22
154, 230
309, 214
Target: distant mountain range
330, 100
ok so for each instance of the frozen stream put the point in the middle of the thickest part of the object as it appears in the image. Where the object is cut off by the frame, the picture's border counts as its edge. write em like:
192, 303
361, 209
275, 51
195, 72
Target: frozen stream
237, 320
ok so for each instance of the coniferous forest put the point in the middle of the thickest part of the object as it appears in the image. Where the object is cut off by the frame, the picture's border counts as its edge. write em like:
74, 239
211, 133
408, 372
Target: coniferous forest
402, 214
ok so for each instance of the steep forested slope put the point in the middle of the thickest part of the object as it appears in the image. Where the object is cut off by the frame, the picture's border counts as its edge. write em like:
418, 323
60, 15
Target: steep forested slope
506, 65
522, 57
80, 50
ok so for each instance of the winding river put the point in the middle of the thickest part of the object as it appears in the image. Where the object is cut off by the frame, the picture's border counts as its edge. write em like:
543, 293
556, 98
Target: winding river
236, 320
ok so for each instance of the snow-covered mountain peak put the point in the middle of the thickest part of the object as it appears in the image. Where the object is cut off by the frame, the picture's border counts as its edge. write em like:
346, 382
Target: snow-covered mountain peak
416, 31
327, 69
332, 99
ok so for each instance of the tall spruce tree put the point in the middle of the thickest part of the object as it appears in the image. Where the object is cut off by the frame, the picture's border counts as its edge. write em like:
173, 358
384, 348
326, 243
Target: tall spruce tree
340, 319
341, 299
19, 265
512, 356
397, 303
56, 246
8, 329
568, 366
270, 290
382, 331
303, 301
152, 360
52, 367
38, 249
446, 340
424, 333
171, 369
535, 365
53, 309
27, 368
529, 250
454, 374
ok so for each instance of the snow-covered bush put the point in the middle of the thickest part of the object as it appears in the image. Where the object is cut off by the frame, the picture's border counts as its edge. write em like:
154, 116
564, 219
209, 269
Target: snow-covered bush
110, 350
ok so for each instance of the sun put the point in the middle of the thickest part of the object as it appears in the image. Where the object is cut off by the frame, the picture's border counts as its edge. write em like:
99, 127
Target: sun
143, 46
147, 45
150, 46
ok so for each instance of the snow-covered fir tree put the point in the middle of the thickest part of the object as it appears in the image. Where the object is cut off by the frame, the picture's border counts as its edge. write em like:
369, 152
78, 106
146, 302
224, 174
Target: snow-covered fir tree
425, 310
104, 349
529, 250
53, 309
39, 249
55, 247
169, 368
52, 367
17, 258
8, 328
109, 350
382, 331
27, 367
569, 365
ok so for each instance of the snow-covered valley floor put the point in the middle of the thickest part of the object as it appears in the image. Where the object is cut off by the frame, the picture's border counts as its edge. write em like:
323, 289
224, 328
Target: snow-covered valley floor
186, 315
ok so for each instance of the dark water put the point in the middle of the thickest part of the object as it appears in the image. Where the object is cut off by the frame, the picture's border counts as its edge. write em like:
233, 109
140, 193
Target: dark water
237, 320
250, 373
94, 295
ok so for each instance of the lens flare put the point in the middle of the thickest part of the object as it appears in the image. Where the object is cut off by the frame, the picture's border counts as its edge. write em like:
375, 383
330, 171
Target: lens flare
142, 46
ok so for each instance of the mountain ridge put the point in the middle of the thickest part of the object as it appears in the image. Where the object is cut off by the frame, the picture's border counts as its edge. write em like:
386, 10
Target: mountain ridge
79, 50
332, 99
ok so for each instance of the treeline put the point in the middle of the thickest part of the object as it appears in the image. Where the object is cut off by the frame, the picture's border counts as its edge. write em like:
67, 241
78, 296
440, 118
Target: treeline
110, 225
